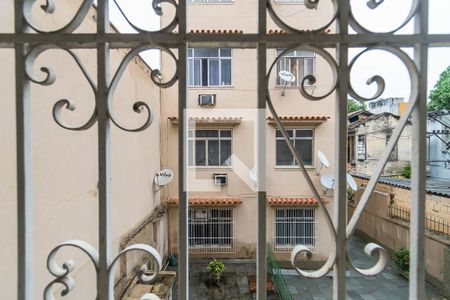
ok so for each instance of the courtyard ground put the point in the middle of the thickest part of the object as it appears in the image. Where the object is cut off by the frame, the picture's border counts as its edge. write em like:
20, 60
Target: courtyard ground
235, 284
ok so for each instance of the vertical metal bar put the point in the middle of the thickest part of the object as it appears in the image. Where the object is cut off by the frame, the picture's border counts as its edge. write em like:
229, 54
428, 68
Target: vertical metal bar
104, 286
340, 195
183, 206
261, 254
418, 176
23, 164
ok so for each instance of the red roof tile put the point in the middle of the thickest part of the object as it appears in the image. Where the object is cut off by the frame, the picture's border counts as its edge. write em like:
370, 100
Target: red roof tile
291, 201
295, 118
217, 31
208, 201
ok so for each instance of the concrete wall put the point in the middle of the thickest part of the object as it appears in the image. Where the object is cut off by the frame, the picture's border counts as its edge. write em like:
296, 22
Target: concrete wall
436, 206
239, 100
65, 195
375, 131
375, 224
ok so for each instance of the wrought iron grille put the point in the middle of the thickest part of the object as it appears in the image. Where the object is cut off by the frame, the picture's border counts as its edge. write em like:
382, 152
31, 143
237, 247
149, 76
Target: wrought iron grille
29, 40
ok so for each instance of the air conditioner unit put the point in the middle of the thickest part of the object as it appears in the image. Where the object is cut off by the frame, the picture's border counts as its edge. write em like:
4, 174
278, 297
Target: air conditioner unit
220, 179
206, 99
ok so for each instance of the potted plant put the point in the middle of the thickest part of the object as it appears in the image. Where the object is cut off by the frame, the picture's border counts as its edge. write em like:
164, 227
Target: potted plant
401, 259
216, 267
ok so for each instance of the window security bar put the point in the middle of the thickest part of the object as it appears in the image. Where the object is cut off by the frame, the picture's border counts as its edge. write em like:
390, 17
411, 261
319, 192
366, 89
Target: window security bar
29, 40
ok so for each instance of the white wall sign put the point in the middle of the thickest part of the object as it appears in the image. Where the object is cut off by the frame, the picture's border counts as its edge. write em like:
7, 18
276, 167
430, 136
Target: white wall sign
163, 177
286, 76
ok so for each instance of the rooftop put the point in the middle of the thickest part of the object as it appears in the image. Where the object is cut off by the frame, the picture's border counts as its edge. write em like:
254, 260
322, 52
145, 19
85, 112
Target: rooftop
434, 186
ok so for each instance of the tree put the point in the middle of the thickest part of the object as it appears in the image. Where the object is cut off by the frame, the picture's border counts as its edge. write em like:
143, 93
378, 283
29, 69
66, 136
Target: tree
353, 105
440, 95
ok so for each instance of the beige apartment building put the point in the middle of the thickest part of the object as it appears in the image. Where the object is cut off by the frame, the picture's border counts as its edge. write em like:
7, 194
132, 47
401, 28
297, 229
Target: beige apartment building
222, 96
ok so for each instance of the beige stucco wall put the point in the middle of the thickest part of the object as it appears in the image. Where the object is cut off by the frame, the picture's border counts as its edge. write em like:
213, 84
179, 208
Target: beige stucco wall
65, 195
239, 100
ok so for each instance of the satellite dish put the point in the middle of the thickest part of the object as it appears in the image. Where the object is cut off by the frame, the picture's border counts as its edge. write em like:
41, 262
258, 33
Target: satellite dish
323, 161
286, 76
351, 182
150, 296
327, 180
253, 175
163, 177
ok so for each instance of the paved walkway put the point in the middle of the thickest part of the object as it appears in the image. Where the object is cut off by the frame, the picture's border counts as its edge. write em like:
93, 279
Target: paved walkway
388, 285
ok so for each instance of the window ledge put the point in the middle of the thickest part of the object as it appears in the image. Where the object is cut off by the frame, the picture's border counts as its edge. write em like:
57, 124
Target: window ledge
212, 168
211, 87
293, 168
211, 3
279, 87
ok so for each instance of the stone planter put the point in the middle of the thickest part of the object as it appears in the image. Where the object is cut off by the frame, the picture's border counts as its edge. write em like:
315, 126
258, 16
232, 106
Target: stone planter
162, 287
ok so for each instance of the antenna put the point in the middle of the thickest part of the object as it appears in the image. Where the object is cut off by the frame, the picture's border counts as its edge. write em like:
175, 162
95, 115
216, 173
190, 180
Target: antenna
323, 161
286, 76
327, 180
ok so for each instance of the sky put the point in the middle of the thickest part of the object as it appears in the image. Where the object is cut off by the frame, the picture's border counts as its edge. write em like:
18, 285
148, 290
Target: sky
389, 15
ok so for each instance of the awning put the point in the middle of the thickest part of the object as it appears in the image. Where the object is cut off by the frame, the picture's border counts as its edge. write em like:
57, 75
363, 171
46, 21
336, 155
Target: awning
300, 120
291, 201
208, 201
210, 120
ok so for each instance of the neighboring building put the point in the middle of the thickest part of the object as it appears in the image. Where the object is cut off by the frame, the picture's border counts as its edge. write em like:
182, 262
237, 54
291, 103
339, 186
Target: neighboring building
368, 138
438, 135
65, 165
395, 106
222, 95
354, 120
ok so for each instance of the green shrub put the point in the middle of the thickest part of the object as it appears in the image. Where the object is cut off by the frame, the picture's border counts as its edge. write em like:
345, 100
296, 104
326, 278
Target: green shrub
401, 259
216, 267
406, 171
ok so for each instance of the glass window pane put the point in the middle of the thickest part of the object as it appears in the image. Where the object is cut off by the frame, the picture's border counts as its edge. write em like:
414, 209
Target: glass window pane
225, 52
284, 156
225, 133
303, 133
309, 66
204, 68
206, 52
225, 152
213, 153
214, 72
290, 133
190, 72
197, 72
226, 72
200, 152
304, 148
190, 52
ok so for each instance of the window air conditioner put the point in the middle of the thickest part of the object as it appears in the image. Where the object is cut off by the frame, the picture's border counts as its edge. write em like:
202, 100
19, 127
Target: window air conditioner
220, 179
206, 99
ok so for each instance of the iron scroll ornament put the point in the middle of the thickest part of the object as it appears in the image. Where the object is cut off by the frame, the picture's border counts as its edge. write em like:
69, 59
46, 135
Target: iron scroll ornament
62, 272
371, 248
353, 22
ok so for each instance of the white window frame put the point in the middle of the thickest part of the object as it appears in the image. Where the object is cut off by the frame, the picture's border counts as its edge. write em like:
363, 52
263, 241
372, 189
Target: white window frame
191, 71
290, 223
361, 147
212, 244
295, 54
211, 1
294, 138
192, 138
